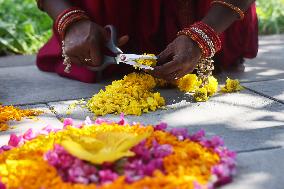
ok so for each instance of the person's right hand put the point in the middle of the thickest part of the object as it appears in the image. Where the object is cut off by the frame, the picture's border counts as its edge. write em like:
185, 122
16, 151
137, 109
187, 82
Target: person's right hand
85, 40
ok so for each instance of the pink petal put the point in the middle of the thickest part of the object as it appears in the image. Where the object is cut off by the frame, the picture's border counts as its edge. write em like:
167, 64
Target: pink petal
14, 140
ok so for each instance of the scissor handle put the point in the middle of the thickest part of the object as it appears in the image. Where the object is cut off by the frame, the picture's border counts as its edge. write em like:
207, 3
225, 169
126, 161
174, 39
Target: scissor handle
112, 42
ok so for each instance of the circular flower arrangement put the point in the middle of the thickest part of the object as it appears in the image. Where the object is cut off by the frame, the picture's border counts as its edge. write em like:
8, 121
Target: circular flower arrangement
118, 155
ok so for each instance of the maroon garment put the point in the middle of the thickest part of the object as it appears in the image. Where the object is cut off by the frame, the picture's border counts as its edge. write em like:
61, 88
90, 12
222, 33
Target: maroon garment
151, 25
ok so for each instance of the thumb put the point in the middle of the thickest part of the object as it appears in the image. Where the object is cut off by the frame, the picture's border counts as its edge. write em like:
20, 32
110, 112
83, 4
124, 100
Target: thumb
96, 55
165, 56
122, 40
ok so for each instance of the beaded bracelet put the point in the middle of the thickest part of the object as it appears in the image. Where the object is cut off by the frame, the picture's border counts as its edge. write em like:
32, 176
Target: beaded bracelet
206, 38
63, 21
232, 7
209, 43
67, 17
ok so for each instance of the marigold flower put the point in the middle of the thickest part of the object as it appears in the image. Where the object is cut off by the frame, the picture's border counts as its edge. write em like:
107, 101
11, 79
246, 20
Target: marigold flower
147, 62
163, 160
131, 95
232, 86
201, 95
9, 113
212, 86
188, 83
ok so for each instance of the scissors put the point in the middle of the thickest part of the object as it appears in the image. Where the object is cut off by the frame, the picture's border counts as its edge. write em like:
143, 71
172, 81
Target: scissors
120, 57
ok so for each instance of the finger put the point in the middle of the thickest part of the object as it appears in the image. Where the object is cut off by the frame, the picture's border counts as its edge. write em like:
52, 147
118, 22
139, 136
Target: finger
165, 56
166, 69
86, 61
76, 60
172, 77
184, 72
122, 40
96, 55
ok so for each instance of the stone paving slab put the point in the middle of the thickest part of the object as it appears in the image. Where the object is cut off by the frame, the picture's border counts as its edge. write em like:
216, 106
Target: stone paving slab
269, 63
45, 119
17, 60
28, 85
259, 170
252, 123
274, 88
245, 120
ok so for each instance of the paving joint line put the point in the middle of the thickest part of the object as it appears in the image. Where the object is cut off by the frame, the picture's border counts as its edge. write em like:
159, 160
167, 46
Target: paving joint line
264, 95
43, 102
262, 80
51, 108
17, 66
259, 149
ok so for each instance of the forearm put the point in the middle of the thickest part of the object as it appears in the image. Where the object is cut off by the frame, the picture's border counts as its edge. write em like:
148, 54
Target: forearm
221, 17
54, 7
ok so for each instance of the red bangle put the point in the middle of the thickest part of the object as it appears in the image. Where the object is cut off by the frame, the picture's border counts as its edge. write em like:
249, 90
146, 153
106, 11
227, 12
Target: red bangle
72, 19
67, 17
206, 38
232, 7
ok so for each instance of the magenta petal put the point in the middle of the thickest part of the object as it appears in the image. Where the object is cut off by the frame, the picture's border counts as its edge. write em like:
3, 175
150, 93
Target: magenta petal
6, 148
122, 120
161, 127
197, 137
14, 140
99, 121
67, 122
29, 135
2, 185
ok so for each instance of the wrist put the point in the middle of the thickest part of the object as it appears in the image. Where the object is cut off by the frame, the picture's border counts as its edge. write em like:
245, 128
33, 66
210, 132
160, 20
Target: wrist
76, 25
68, 18
204, 37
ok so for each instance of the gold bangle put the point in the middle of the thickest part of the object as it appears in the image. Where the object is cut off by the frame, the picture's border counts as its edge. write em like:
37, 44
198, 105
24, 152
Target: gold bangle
234, 8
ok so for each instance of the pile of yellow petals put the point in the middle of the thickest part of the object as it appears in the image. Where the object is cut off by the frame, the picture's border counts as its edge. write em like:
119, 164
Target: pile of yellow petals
25, 167
132, 95
191, 83
11, 113
147, 62
232, 86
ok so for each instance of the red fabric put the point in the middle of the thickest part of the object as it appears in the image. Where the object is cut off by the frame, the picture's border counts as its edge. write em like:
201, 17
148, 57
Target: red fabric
151, 25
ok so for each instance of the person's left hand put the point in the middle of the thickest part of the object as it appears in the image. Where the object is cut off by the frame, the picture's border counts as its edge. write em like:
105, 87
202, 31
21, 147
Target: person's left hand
178, 59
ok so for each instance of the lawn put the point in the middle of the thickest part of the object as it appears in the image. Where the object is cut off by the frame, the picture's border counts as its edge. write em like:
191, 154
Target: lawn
23, 28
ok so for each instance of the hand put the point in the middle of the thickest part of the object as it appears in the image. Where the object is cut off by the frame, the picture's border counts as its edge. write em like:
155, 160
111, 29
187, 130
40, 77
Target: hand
178, 59
85, 40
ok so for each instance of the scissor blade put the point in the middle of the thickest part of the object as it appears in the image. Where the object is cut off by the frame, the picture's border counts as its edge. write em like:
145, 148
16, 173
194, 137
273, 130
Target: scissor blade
131, 59
126, 57
135, 64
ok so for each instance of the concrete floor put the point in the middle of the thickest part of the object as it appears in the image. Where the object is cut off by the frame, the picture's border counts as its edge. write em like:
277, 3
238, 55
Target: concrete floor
251, 122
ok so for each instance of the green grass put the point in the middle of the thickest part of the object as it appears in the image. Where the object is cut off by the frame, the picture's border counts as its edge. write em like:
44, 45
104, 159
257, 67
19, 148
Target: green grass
24, 29
271, 16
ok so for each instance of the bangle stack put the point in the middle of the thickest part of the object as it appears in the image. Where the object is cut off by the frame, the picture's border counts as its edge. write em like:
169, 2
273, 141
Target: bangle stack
209, 43
68, 17
206, 38
63, 21
232, 7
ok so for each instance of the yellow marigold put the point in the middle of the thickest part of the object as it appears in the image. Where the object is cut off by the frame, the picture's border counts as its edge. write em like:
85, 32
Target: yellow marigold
161, 82
201, 95
9, 113
188, 83
232, 86
212, 86
24, 167
131, 95
147, 62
